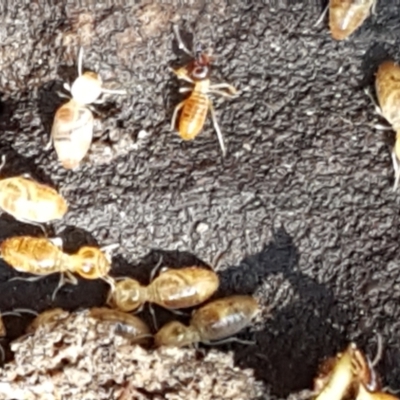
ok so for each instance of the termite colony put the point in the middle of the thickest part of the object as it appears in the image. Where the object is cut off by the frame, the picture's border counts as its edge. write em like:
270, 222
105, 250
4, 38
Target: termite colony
349, 374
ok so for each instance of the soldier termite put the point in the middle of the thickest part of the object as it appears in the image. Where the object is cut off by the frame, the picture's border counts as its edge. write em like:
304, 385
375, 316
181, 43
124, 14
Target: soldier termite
171, 289
72, 129
210, 324
196, 106
122, 323
29, 201
350, 374
387, 86
41, 256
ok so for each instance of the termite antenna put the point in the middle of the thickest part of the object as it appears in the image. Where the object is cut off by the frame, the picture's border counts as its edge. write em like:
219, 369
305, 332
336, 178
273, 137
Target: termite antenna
156, 268
322, 16
3, 161
379, 350
181, 44
2, 354
80, 61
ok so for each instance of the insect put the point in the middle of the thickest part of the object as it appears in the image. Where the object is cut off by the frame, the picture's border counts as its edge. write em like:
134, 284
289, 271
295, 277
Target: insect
122, 323
196, 106
216, 320
29, 201
387, 86
346, 16
48, 317
172, 289
350, 374
41, 256
72, 129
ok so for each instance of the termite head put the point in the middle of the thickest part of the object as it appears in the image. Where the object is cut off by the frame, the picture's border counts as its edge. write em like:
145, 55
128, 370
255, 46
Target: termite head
197, 70
175, 334
91, 263
87, 88
127, 295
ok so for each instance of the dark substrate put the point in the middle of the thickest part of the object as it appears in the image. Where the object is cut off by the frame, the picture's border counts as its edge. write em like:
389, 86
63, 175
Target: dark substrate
302, 206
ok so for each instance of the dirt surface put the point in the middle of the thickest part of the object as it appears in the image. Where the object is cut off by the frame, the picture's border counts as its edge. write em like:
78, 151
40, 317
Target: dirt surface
302, 205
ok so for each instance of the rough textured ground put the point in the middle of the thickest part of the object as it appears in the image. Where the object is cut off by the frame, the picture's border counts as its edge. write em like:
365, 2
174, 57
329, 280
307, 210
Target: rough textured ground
80, 357
302, 205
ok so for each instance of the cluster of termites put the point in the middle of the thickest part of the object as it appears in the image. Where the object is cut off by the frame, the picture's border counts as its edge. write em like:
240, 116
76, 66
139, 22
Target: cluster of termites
345, 17
31, 202
350, 373
214, 322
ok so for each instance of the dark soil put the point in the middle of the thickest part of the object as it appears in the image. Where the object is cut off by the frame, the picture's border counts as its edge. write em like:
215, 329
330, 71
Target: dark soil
302, 205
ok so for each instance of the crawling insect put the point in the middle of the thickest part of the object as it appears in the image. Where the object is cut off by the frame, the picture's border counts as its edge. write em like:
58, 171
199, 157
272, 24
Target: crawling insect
350, 374
72, 129
172, 289
122, 323
38, 256
346, 16
339, 376
48, 317
29, 201
216, 320
387, 86
41, 256
195, 107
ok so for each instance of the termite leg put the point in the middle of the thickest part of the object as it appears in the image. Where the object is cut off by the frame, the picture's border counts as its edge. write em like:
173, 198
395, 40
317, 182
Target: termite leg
80, 61
378, 110
156, 268
220, 93
223, 85
3, 161
175, 114
30, 279
230, 340
114, 91
373, 9
396, 170
153, 316
217, 129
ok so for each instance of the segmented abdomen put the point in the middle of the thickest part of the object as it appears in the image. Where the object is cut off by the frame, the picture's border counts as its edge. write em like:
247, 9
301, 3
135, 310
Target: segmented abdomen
193, 115
33, 255
27, 200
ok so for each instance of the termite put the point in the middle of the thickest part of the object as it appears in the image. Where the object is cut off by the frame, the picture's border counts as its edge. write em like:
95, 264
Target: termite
29, 201
171, 289
350, 373
48, 317
42, 257
346, 16
196, 106
122, 323
210, 324
72, 129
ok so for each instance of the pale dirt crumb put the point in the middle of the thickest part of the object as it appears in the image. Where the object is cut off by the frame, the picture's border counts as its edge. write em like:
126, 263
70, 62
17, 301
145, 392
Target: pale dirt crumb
202, 227
78, 358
